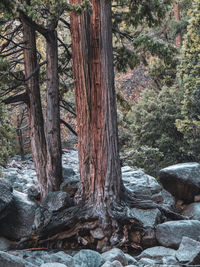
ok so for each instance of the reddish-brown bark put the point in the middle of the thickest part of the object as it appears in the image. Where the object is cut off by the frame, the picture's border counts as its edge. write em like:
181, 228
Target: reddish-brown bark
177, 18
53, 138
95, 103
37, 136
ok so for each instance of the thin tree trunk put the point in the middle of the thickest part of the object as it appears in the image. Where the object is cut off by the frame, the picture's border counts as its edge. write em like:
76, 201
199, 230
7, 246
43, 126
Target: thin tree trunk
54, 152
37, 136
96, 104
177, 18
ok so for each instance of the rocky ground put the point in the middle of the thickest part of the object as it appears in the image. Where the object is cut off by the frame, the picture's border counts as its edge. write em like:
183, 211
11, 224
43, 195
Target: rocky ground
162, 243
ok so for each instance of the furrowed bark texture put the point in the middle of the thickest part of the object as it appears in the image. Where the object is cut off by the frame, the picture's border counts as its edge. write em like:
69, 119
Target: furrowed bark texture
37, 135
177, 18
54, 152
95, 104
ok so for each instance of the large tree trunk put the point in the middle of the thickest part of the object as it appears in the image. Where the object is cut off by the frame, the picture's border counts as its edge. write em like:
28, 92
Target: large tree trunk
177, 18
37, 136
54, 152
99, 162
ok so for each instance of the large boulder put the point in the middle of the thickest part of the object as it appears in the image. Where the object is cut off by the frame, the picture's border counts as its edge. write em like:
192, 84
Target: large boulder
56, 201
60, 257
6, 198
87, 258
149, 218
170, 234
189, 252
115, 254
142, 185
18, 223
182, 180
70, 185
8, 260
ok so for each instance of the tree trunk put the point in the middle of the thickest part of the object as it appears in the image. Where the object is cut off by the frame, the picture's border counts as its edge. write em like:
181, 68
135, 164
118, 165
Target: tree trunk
177, 18
37, 136
54, 152
99, 162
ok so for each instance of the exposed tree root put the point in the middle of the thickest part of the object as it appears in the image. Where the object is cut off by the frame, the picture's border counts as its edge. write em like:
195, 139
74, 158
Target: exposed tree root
95, 227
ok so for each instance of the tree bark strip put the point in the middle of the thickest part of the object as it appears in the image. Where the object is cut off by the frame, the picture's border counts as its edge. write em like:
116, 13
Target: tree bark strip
95, 104
53, 138
37, 135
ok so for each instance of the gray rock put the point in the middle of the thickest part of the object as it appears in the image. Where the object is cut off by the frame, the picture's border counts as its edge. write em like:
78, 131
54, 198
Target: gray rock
60, 257
34, 192
97, 233
157, 253
19, 222
4, 243
182, 180
189, 251
115, 254
67, 172
112, 264
170, 234
170, 260
53, 264
36, 261
168, 199
56, 201
148, 262
142, 185
87, 258
8, 260
6, 197
70, 185
192, 211
130, 259
149, 218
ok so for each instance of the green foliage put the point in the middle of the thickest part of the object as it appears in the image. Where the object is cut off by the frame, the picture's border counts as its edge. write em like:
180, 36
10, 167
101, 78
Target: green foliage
190, 78
147, 158
155, 137
162, 73
6, 137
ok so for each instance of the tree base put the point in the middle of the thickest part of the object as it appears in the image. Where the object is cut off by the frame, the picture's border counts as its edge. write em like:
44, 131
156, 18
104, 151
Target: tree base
96, 227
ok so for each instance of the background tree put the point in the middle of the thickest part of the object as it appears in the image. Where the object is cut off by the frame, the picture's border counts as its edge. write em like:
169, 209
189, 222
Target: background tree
189, 74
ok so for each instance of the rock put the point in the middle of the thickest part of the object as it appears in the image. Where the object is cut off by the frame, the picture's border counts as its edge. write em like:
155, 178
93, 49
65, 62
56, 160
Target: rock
112, 264
34, 192
60, 257
149, 218
148, 262
67, 172
168, 199
87, 258
97, 233
182, 180
53, 264
56, 201
8, 260
170, 234
19, 222
70, 185
157, 253
6, 198
142, 185
192, 211
4, 243
115, 254
130, 259
189, 251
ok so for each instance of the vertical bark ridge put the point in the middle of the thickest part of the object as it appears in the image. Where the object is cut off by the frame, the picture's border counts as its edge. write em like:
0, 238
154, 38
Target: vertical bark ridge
95, 102
36, 121
54, 151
